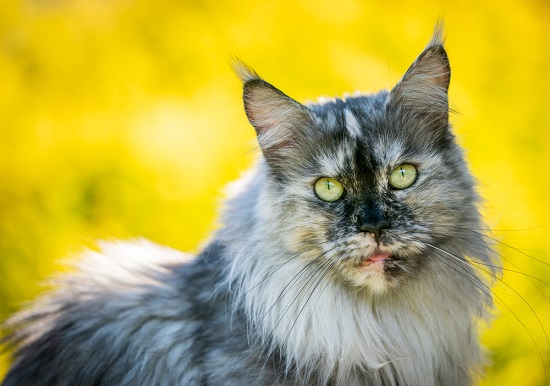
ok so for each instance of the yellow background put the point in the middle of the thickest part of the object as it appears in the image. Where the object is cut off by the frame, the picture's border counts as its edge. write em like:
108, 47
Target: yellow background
122, 118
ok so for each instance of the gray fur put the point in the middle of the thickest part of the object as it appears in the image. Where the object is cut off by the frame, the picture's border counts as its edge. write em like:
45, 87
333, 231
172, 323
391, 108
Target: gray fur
277, 297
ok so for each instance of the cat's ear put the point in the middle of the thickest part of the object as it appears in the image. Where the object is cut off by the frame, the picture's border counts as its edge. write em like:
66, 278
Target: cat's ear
278, 119
423, 90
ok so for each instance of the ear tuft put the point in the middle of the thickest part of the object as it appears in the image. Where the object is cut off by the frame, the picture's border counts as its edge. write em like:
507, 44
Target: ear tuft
438, 36
424, 86
278, 119
244, 71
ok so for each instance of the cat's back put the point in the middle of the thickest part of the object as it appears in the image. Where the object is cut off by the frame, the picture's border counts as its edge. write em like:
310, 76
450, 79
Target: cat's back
126, 316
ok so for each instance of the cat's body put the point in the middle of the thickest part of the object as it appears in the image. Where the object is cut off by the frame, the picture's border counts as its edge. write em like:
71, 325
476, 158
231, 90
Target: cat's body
371, 286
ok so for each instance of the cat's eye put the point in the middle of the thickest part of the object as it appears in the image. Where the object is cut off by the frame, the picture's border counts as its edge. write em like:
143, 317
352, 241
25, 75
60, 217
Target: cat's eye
328, 189
403, 176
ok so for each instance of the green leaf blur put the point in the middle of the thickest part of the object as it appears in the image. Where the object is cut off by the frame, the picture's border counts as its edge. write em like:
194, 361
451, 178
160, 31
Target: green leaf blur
123, 119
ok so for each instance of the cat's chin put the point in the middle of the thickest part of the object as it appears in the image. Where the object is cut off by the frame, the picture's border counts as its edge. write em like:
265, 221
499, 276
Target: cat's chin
376, 272
372, 278
375, 276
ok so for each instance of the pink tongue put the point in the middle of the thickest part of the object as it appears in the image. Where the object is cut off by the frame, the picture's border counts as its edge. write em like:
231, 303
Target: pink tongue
379, 256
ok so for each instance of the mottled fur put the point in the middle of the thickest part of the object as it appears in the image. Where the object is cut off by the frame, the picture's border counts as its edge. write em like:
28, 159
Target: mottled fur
279, 296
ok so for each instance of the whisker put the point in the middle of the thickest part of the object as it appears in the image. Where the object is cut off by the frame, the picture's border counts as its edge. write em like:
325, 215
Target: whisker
519, 270
502, 244
501, 281
324, 266
491, 292
319, 273
291, 283
254, 287
325, 270
498, 299
274, 272
486, 229
521, 229
294, 282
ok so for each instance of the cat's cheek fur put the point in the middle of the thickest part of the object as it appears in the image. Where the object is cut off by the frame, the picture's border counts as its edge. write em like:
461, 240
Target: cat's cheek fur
299, 229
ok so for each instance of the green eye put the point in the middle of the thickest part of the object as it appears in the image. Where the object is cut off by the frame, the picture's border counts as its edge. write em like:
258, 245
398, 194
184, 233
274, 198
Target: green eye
328, 189
403, 176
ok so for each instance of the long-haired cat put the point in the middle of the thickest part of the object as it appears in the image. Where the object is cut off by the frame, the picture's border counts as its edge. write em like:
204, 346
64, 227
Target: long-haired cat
345, 258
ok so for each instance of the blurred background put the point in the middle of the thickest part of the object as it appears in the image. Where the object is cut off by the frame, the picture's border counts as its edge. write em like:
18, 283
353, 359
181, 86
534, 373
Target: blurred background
122, 119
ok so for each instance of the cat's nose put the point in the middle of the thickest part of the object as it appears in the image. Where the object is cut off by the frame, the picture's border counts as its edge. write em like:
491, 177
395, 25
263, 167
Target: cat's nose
373, 223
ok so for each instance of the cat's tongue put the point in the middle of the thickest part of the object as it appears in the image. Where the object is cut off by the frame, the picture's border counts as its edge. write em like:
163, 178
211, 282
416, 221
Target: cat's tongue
375, 257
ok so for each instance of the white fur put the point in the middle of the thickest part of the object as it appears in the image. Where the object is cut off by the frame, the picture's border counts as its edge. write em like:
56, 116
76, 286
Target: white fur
321, 326
352, 125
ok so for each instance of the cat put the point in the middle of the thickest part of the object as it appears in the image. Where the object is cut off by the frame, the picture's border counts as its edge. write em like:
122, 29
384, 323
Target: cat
346, 257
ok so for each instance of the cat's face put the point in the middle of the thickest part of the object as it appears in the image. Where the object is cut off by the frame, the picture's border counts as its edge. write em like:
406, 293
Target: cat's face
366, 187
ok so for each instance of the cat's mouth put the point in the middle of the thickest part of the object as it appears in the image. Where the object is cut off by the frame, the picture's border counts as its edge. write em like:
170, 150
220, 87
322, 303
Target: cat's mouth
377, 257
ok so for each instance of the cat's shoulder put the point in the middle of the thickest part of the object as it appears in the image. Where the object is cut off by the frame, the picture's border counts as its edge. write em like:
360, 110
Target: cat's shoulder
118, 275
121, 270
120, 301
125, 263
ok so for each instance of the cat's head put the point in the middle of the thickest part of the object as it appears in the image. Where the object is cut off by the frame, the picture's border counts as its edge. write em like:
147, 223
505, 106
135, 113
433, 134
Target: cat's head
369, 188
